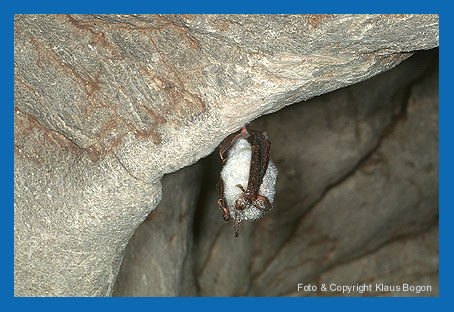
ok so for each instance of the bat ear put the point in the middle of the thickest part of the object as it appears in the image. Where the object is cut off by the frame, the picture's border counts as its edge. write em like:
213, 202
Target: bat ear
244, 131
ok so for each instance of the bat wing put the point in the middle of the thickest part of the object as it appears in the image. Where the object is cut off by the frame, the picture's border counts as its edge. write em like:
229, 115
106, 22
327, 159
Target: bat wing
228, 142
259, 159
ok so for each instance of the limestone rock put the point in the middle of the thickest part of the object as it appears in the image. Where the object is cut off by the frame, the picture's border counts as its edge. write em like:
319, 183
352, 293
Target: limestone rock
368, 216
158, 259
354, 176
392, 193
105, 105
410, 259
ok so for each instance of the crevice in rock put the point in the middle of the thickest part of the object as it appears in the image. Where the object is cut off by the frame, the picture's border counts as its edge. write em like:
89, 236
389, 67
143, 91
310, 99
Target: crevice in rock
126, 169
211, 169
207, 178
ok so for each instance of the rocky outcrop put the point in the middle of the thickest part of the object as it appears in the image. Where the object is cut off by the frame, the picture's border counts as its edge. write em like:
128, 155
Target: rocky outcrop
105, 105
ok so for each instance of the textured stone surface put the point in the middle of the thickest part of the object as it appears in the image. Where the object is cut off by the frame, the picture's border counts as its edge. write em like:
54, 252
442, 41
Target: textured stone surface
411, 259
158, 258
393, 192
336, 196
105, 105
357, 197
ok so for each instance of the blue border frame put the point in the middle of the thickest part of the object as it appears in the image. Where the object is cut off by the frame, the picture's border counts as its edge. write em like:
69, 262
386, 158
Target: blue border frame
182, 304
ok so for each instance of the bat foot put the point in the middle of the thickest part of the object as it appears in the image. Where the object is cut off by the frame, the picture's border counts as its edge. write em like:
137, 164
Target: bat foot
225, 211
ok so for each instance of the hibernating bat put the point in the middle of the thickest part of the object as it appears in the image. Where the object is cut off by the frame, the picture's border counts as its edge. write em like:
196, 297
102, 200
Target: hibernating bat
248, 176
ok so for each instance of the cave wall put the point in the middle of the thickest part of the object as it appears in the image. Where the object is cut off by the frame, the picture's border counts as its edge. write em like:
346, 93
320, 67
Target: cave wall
356, 202
106, 105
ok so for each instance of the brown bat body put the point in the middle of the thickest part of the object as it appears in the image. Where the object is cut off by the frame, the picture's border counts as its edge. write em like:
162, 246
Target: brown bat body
260, 156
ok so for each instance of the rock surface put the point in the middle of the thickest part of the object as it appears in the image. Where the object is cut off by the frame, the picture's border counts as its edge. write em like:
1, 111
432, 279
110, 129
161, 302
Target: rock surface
357, 199
158, 261
106, 105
